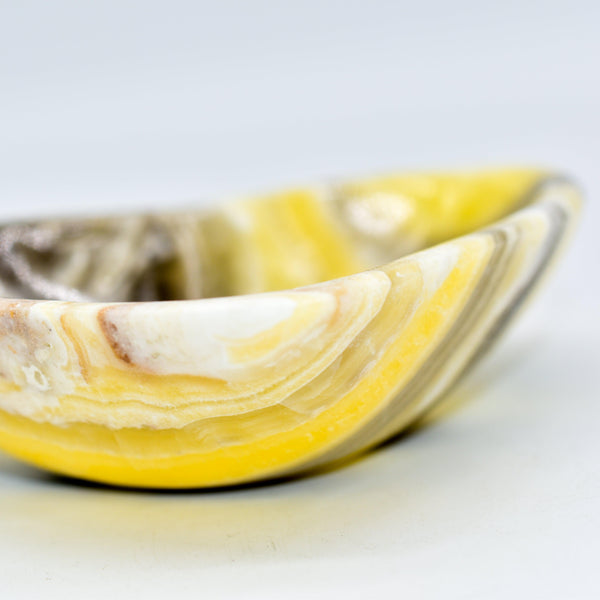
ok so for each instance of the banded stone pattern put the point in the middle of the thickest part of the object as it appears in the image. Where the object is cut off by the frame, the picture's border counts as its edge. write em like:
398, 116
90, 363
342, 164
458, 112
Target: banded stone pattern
311, 353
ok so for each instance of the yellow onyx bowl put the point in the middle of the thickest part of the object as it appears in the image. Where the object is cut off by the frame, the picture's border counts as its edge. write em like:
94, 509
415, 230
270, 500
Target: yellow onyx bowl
265, 337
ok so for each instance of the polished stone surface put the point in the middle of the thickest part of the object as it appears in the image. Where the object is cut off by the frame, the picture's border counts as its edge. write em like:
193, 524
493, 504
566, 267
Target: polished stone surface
265, 384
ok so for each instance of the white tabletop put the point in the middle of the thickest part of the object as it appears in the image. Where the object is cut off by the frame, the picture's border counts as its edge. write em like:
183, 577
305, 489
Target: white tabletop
127, 105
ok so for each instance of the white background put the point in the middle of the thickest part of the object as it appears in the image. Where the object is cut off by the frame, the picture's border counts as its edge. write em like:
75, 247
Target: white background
118, 105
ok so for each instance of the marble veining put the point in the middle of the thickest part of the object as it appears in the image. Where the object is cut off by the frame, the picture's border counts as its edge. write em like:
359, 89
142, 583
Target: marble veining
267, 336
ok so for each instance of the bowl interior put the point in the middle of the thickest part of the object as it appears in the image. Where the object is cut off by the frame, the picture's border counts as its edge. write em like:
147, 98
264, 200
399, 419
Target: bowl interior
272, 242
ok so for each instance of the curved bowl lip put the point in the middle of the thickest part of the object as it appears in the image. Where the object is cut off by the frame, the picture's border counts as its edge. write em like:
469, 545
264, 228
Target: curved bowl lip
545, 179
